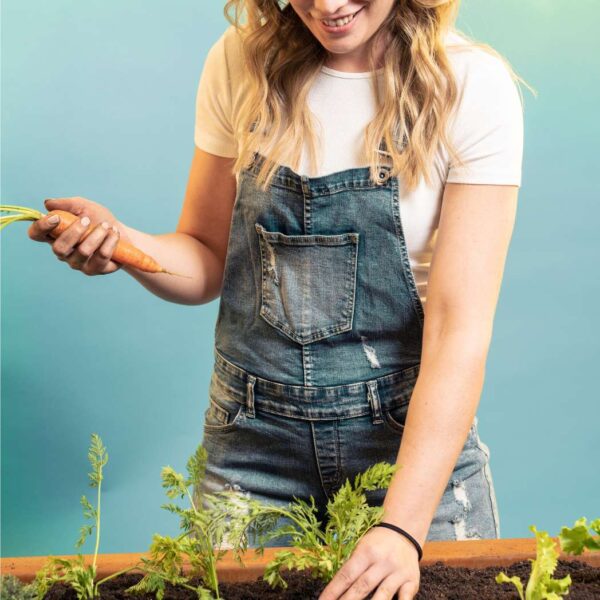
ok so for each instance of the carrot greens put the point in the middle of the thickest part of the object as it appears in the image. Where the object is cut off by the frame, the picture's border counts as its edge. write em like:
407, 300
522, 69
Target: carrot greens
75, 572
204, 527
321, 550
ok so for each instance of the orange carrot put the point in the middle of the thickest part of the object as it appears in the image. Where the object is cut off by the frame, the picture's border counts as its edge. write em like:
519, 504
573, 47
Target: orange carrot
124, 253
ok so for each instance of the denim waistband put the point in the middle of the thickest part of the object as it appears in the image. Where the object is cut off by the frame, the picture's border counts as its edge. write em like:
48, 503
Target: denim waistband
348, 179
322, 402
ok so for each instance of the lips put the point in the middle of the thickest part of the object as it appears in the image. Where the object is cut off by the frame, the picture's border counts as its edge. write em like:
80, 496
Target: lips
342, 16
340, 29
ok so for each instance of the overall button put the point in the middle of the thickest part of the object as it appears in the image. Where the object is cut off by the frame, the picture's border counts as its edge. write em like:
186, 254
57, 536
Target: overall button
383, 175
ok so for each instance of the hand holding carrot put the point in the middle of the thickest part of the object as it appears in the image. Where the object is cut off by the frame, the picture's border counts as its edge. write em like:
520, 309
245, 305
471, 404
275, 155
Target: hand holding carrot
91, 255
81, 234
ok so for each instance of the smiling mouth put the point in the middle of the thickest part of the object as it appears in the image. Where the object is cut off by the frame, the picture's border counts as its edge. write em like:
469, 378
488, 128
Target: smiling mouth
340, 21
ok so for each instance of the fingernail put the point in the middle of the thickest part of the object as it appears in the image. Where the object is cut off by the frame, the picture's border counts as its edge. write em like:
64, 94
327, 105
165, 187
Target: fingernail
115, 229
53, 219
85, 221
104, 225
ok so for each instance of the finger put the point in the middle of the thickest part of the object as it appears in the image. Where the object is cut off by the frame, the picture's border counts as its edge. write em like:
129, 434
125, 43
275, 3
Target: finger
388, 588
100, 261
65, 242
366, 582
350, 571
93, 241
408, 591
40, 230
86, 248
74, 204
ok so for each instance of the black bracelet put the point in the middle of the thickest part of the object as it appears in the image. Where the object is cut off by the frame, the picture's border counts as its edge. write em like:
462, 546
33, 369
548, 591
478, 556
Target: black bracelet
407, 535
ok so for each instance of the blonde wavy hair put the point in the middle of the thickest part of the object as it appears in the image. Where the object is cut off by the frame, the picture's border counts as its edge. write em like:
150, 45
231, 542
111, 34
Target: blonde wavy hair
418, 89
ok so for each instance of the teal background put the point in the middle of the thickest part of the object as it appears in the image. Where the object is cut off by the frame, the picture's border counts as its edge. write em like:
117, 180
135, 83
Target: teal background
98, 101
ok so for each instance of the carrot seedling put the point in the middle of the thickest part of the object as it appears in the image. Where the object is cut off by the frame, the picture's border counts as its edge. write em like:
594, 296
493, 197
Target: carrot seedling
204, 527
322, 552
75, 572
124, 253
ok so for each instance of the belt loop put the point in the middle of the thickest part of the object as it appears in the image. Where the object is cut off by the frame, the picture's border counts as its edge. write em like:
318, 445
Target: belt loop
250, 396
374, 401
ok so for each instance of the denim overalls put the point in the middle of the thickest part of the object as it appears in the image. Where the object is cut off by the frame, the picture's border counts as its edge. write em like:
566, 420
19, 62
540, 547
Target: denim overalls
317, 349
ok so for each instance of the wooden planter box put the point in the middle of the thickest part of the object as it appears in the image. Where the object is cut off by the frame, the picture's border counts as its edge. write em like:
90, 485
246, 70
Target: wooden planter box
471, 553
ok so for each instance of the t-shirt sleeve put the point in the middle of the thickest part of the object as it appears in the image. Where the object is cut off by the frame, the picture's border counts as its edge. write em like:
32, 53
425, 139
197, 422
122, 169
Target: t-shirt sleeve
213, 131
487, 130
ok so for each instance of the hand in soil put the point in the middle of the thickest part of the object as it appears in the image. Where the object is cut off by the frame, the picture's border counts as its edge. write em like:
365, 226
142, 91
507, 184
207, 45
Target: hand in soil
384, 562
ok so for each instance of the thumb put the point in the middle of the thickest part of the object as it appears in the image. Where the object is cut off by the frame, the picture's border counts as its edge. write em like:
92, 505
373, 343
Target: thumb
73, 205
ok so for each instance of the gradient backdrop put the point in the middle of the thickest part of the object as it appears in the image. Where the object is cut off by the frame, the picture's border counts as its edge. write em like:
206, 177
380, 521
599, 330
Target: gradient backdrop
98, 101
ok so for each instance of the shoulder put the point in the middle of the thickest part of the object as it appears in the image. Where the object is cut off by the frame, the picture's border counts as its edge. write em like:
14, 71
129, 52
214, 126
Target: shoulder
227, 50
485, 82
223, 64
479, 72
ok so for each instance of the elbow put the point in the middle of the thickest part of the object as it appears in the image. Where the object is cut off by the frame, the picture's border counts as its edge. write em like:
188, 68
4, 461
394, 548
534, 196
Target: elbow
467, 340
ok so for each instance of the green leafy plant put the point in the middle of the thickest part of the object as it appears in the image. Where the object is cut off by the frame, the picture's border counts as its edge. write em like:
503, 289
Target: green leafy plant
12, 588
75, 572
320, 551
204, 529
541, 585
574, 540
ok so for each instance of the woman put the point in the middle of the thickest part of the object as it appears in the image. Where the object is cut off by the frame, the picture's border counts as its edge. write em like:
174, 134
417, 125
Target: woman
326, 359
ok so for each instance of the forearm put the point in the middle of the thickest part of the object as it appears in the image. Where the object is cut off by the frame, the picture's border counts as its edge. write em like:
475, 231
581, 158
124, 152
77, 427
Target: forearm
178, 253
441, 411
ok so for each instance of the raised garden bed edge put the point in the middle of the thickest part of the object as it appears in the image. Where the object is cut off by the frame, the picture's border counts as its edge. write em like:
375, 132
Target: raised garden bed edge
468, 553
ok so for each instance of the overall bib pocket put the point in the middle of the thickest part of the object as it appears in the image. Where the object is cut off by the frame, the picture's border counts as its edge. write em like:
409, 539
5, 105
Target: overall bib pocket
308, 283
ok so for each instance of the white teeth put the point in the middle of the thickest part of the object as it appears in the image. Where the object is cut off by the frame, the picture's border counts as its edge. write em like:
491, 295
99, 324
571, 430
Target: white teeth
339, 22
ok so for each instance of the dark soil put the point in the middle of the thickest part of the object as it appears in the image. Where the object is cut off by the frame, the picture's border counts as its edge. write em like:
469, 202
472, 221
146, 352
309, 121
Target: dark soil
437, 582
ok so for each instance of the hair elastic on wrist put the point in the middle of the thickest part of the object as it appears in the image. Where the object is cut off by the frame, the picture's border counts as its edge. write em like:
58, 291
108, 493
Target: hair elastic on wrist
407, 535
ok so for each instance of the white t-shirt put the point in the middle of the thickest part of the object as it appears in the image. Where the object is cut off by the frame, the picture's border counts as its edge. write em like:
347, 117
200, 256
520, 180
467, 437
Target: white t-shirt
487, 130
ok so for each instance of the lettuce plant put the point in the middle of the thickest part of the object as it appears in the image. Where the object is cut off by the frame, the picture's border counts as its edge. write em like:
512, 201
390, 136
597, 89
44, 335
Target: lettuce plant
541, 585
75, 572
574, 540
322, 552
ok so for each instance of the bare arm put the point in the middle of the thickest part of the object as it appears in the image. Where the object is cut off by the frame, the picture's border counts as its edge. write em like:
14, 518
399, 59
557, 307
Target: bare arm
475, 228
199, 245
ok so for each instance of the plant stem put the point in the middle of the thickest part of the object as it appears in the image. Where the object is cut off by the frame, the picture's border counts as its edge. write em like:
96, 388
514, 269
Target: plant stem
20, 209
118, 573
98, 515
189, 587
285, 513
